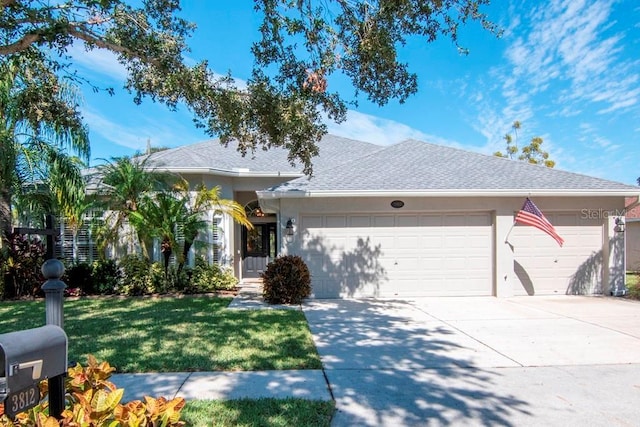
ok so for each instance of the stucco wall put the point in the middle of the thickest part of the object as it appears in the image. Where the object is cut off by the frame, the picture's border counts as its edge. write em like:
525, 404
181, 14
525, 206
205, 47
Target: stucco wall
632, 243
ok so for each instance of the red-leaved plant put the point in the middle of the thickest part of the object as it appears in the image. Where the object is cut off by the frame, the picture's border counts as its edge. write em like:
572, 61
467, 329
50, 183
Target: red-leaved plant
92, 400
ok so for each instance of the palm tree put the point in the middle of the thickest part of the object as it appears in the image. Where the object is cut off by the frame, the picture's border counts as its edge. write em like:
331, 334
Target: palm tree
39, 125
159, 216
172, 217
60, 193
123, 182
207, 200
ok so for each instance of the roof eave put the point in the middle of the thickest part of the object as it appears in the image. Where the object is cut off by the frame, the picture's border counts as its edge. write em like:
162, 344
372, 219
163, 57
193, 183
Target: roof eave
446, 193
241, 173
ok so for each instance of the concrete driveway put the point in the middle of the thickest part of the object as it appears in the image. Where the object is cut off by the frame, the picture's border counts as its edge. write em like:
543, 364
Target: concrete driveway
526, 361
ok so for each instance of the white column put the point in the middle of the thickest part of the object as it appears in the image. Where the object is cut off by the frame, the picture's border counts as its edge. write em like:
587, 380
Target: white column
210, 242
504, 275
615, 269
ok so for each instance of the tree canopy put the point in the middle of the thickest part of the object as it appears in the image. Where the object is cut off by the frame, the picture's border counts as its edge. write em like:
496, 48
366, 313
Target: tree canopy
532, 153
302, 45
40, 124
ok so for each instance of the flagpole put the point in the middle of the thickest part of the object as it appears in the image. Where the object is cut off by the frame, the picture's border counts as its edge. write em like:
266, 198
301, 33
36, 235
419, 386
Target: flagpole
506, 239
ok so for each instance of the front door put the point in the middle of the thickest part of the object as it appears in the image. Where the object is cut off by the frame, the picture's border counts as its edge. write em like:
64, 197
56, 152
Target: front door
258, 249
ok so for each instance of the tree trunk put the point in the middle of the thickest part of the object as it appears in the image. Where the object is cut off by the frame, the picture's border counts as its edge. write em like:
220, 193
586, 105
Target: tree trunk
5, 217
166, 251
188, 242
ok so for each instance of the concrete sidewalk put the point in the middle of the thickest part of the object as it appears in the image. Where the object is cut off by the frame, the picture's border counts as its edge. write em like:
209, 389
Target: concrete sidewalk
225, 385
306, 384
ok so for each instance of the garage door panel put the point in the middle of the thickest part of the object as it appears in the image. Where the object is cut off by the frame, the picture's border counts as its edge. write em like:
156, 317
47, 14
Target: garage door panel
479, 242
407, 221
455, 220
311, 221
409, 242
408, 263
401, 255
479, 221
383, 221
431, 221
432, 241
360, 221
336, 221
455, 242
316, 263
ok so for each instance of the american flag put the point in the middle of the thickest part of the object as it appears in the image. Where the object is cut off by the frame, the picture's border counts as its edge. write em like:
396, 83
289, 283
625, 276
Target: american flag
531, 215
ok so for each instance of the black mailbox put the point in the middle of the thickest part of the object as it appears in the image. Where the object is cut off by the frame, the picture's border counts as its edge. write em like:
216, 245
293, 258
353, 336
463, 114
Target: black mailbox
30, 356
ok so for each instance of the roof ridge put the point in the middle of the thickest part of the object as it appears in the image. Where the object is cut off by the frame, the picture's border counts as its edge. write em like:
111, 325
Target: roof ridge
520, 163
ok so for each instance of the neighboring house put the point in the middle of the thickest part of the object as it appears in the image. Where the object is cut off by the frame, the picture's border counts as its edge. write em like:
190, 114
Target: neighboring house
632, 234
412, 219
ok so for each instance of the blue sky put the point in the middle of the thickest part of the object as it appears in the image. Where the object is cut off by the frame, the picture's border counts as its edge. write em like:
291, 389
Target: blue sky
568, 70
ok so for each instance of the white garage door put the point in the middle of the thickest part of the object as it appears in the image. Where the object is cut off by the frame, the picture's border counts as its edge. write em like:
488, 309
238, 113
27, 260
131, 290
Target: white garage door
542, 267
398, 255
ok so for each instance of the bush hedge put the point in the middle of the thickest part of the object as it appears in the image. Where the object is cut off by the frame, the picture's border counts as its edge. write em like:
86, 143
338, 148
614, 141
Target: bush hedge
20, 263
131, 275
286, 280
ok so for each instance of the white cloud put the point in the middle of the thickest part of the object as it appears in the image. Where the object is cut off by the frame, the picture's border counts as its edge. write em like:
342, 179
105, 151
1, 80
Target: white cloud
160, 132
564, 59
114, 132
105, 63
592, 138
376, 130
576, 43
101, 61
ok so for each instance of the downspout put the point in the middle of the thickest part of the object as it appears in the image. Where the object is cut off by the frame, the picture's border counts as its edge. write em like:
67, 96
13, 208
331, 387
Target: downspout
606, 261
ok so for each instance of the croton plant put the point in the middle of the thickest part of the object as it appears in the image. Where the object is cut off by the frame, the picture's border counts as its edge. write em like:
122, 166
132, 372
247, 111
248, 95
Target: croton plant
92, 400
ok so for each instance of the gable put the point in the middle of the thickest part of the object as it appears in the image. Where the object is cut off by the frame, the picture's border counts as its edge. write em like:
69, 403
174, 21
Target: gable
214, 157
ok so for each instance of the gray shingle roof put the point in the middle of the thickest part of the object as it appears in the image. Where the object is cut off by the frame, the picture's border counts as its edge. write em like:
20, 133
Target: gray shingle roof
211, 154
416, 166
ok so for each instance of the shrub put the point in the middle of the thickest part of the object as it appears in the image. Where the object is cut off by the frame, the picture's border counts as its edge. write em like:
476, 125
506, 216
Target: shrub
160, 282
225, 280
21, 267
92, 400
79, 276
633, 286
210, 278
141, 277
106, 276
286, 280
136, 275
171, 280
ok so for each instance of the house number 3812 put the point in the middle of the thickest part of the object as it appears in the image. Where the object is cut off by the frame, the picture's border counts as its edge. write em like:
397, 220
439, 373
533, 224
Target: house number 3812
22, 400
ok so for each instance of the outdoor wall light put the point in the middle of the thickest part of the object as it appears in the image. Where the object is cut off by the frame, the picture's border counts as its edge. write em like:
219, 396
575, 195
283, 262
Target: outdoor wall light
619, 225
289, 227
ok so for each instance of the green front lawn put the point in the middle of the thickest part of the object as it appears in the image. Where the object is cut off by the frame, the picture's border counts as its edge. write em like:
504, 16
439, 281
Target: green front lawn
175, 334
261, 412
190, 334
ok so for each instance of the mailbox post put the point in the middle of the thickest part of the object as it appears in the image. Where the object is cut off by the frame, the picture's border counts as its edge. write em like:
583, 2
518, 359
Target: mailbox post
53, 288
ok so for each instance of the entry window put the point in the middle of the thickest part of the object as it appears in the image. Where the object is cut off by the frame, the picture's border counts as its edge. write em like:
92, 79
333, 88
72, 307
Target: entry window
255, 244
272, 241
